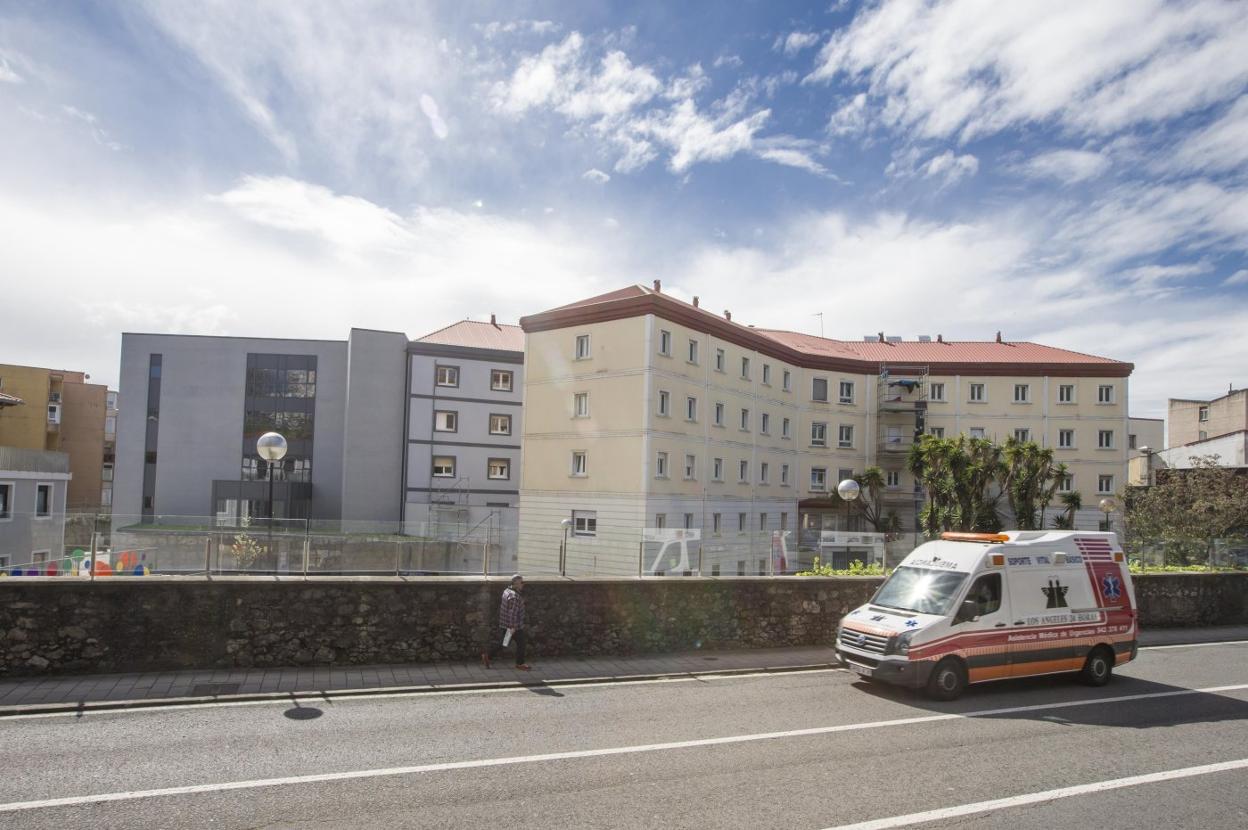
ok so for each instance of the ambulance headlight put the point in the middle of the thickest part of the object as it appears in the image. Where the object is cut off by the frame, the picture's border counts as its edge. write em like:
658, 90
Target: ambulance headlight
901, 645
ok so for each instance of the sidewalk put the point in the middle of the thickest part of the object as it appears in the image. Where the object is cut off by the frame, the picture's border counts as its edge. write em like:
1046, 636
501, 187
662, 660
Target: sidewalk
104, 691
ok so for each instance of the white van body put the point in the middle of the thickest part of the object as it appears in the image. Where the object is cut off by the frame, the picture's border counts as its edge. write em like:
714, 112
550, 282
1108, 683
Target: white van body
993, 606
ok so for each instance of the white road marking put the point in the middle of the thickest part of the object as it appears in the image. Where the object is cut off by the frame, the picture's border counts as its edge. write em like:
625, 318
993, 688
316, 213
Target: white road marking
73, 801
1196, 645
1047, 795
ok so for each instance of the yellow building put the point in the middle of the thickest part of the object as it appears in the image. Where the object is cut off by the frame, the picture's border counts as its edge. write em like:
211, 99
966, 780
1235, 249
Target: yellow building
646, 417
61, 412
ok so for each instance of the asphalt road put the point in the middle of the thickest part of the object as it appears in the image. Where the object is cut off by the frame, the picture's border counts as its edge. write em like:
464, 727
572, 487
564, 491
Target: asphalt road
808, 750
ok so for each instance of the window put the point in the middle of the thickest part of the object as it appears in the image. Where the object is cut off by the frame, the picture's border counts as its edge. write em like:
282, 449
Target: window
1202, 435
719, 360
447, 376
106, 473
665, 343
1022, 393
499, 469
579, 464
745, 419
819, 389
717, 469
844, 474
1022, 434
977, 432
765, 423
693, 352
847, 391
1105, 393
717, 522
818, 478
784, 475
660, 465
149, 457
54, 413
767, 374
443, 466
501, 380
977, 393
43, 500
582, 347
784, 522
584, 523
110, 425
1131, 441
818, 434
719, 414
445, 420
745, 368
580, 405
937, 392
845, 436
763, 470
743, 470
986, 594
787, 380
691, 466
784, 428
1104, 484
1105, 439
149, 503
892, 479
1066, 393
762, 521
1066, 438
688, 521
937, 432
106, 496
1066, 484
660, 520
664, 403
500, 425
1202, 414
6, 501
691, 409
741, 522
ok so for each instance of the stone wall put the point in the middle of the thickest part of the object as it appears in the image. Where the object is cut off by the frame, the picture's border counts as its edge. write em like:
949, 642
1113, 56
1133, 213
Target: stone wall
73, 626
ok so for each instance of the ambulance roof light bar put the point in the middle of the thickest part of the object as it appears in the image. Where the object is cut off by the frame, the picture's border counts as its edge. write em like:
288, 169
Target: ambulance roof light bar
954, 536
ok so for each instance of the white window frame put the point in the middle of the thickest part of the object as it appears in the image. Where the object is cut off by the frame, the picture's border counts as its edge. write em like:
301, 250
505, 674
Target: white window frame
1202, 414
691, 467
764, 423
502, 380
766, 374
446, 376
786, 428
745, 368
580, 464
745, 419
1062, 442
843, 442
764, 469
717, 469
786, 381
660, 464
506, 419
1025, 389
717, 523
743, 522
818, 487
1025, 435
818, 434
583, 348
434, 465
982, 433
693, 352
892, 479
1100, 480
577, 410
665, 343
504, 463
1102, 443
981, 388
841, 395
585, 523
11, 488
51, 500
442, 417
720, 360
936, 392
814, 390
1067, 484
719, 414
691, 409
665, 403
936, 432
1062, 389
784, 475
743, 471
1101, 398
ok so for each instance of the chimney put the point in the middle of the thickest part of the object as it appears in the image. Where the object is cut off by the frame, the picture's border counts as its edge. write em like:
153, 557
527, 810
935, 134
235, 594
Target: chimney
881, 337
998, 337
727, 314
940, 338
695, 300
493, 321
658, 286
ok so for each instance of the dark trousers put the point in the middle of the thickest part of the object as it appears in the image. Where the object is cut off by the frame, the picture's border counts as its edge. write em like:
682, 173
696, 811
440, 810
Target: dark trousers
517, 640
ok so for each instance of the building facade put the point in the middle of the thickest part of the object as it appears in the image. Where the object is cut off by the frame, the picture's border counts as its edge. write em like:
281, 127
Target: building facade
1190, 421
34, 485
654, 427
62, 412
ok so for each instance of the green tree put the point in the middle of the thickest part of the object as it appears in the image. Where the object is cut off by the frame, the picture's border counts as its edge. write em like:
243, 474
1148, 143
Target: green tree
1186, 511
870, 501
1031, 478
1072, 502
960, 476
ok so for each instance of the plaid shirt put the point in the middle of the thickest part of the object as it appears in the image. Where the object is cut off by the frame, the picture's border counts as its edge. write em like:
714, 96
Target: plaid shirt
511, 610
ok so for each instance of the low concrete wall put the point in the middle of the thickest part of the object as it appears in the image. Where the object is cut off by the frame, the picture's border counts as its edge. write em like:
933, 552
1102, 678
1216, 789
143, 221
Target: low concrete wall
73, 626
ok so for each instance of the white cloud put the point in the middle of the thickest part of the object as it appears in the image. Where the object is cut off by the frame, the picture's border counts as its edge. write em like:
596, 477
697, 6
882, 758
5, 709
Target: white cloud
795, 42
495, 28
851, 117
951, 168
1069, 166
695, 138
596, 176
967, 68
732, 61
1240, 277
430, 108
8, 74
1221, 146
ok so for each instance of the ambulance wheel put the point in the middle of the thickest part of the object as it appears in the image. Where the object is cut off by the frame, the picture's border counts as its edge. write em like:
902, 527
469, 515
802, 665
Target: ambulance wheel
948, 680
1098, 668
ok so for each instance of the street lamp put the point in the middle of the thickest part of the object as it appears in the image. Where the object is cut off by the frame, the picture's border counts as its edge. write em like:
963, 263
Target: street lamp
848, 491
1107, 507
272, 448
563, 546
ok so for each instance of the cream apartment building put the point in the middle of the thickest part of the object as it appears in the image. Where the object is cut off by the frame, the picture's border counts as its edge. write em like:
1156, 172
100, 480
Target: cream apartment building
648, 419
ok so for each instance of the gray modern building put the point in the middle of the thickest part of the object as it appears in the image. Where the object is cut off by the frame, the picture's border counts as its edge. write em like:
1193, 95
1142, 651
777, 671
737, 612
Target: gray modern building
464, 428
33, 487
382, 431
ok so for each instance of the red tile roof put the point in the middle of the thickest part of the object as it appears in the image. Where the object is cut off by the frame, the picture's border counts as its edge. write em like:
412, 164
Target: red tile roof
478, 335
913, 351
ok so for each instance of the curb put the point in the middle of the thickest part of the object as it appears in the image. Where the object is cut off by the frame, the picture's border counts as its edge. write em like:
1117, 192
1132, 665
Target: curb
383, 691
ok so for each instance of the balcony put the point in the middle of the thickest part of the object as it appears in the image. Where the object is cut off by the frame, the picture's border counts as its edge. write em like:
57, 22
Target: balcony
895, 444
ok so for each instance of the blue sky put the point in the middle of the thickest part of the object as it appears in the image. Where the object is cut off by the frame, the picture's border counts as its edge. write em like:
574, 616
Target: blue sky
1068, 172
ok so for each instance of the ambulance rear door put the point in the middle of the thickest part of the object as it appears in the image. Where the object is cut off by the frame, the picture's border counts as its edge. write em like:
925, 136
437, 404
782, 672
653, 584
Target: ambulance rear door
1047, 600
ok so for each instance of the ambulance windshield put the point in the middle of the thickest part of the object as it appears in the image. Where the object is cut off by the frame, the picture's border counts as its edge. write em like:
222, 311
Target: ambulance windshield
921, 590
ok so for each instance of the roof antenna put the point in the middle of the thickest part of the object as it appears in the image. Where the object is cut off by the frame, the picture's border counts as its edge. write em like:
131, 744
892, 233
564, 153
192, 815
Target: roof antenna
998, 337
820, 316
493, 321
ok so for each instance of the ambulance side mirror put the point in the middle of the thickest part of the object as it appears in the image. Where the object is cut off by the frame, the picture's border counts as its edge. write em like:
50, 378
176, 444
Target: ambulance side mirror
969, 612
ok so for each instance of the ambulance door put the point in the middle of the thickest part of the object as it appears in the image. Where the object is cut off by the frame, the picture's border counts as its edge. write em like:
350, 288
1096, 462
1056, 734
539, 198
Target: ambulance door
1040, 596
985, 613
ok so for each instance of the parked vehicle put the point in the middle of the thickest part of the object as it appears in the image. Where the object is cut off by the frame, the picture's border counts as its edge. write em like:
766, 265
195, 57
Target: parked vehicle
974, 607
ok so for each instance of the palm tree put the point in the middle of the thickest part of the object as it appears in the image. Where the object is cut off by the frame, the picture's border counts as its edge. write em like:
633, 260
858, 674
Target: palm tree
1029, 474
1071, 502
870, 504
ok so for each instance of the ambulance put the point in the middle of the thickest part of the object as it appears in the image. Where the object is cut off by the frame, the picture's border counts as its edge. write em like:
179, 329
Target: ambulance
973, 607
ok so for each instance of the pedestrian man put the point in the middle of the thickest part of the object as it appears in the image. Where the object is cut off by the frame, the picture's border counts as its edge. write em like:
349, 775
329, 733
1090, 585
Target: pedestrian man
511, 623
